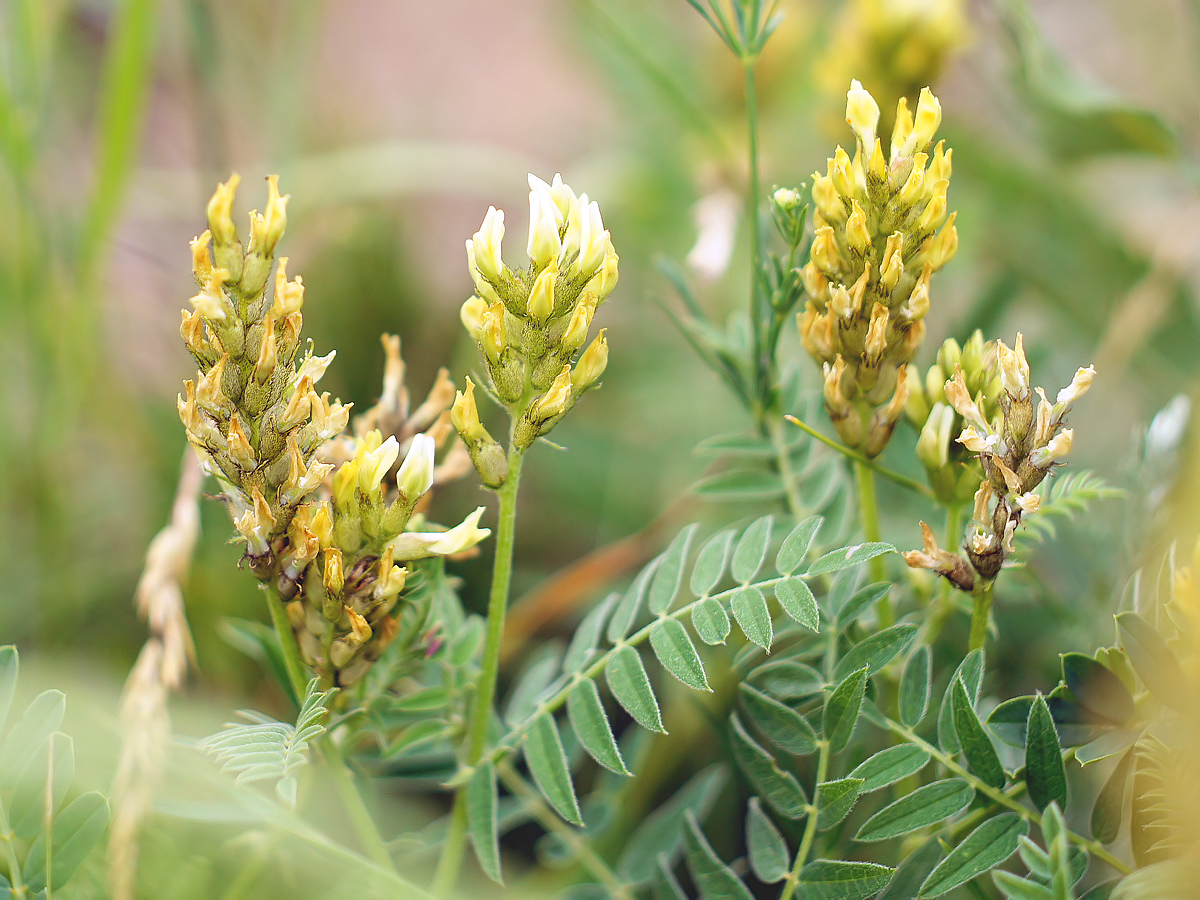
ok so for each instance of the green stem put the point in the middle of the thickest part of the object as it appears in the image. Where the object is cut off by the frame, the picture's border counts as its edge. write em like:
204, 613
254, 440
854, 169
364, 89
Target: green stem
869, 509
761, 375
352, 800
895, 477
1095, 848
481, 711
939, 611
570, 837
783, 458
983, 593
10, 854
292, 663
810, 827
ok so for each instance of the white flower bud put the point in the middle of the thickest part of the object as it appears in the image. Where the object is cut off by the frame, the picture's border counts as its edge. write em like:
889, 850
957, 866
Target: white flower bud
416, 474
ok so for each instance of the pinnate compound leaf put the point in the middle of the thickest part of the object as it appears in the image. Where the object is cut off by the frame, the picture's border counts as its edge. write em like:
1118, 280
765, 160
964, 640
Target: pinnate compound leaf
627, 679
769, 857
660, 835
984, 848
842, 709
750, 609
845, 557
889, 766
970, 670
10, 666
1045, 775
911, 873
751, 550
740, 485
787, 679
587, 635
830, 879
669, 575
41, 719
797, 600
483, 825
548, 764
835, 799
795, 545
876, 651
1109, 810
27, 807
590, 723
736, 444
630, 604
711, 562
74, 832
675, 650
976, 746
1155, 663
538, 673
1096, 688
713, 878
710, 621
1013, 887
860, 602
775, 785
786, 728
915, 686
924, 806
666, 887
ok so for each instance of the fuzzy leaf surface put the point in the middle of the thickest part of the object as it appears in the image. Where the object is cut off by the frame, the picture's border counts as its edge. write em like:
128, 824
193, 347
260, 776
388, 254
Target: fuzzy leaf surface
775, 785
627, 679
750, 609
548, 764
669, 575
590, 722
795, 545
675, 650
924, 806
769, 857
984, 848
797, 600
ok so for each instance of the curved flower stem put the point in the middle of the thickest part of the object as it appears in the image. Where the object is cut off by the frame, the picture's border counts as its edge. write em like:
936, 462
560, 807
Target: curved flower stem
810, 827
292, 664
895, 477
481, 710
783, 459
869, 509
982, 595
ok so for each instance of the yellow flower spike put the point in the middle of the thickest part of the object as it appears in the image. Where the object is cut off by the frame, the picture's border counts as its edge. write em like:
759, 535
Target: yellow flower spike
591, 365
265, 365
484, 248
1014, 368
901, 129
1077, 388
876, 341
465, 415
893, 262
220, 209
841, 303
862, 113
593, 240
376, 462
935, 211
416, 473
208, 391
331, 573
605, 280
541, 295
239, 445
941, 166
926, 121
554, 402
191, 329
581, 320
544, 222
322, 523
933, 446
835, 398
914, 186
345, 480
826, 197
492, 332
299, 407
210, 302
841, 172
825, 254
471, 314
202, 261
877, 165
918, 301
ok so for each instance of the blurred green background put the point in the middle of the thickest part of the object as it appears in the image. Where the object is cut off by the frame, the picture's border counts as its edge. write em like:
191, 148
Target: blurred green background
395, 124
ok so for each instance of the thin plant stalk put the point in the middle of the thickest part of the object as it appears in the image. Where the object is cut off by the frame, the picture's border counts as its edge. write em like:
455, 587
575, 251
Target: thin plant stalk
810, 827
481, 710
982, 596
756, 311
869, 510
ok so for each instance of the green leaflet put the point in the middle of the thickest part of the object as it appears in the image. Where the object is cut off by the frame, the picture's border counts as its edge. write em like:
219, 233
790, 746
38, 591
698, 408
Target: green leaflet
740, 485
797, 600
1109, 810
984, 848
751, 550
778, 787
1096, 688
769, 857
830, 879
482, 822
862, 600
10, 667
713, 878
912, 872
787, 680
590, 723
835, 799
842, 709
876, 651
630, 604
970, 670
75, 831
976, 746
786, 728
675, 650
538, 673
1155, 663
669, 575
710, 563
1044, 772
924, 806
42, 718
1016, 888
889, 766
795, 545
548, 764
27, 808
587, 635
846, 557
710, 621
626, 677
749, 608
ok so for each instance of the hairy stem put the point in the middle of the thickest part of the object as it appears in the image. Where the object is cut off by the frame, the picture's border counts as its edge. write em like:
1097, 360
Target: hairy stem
292, 663
783, 459
477, 726
895, 477
810, 827
356, 809
982, 595
869, 510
